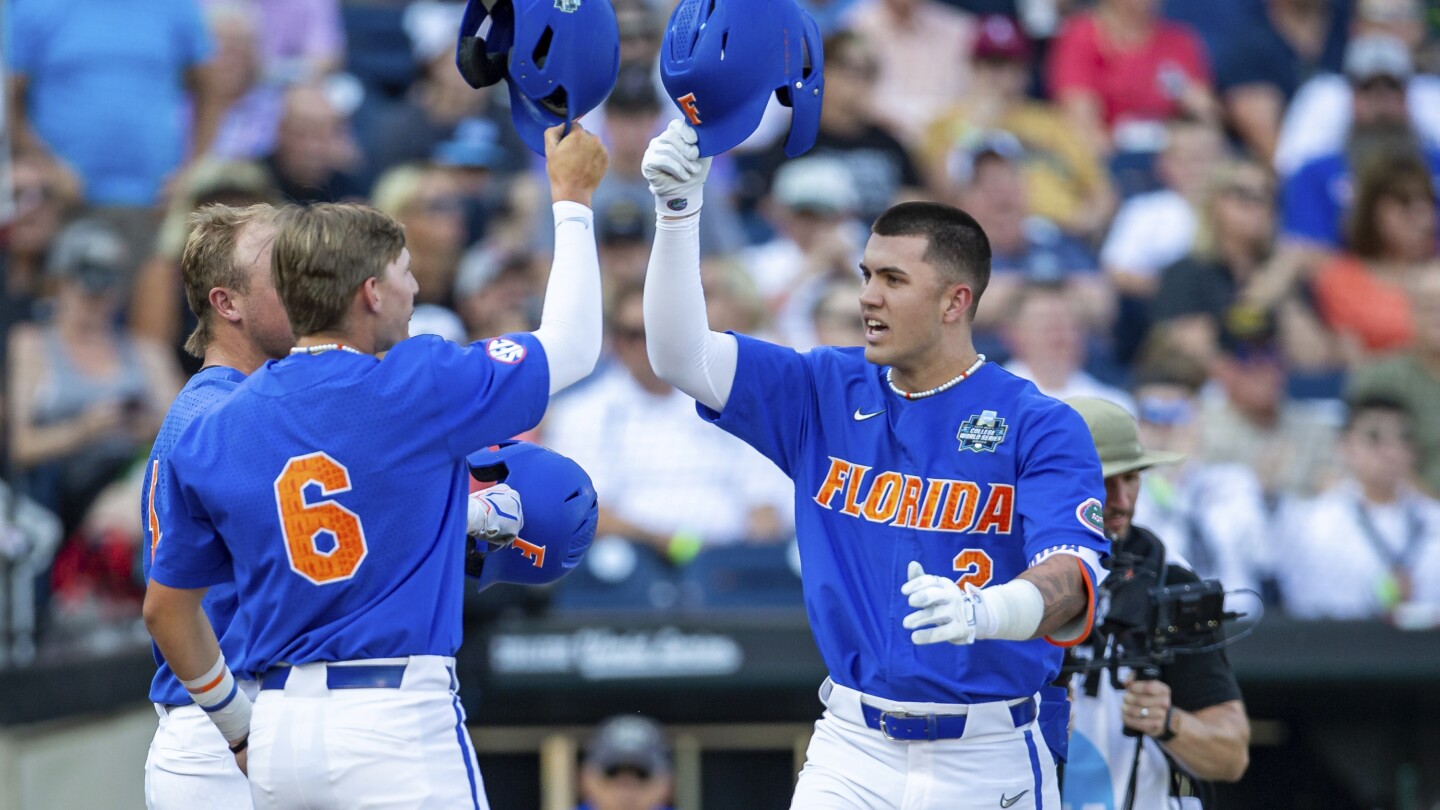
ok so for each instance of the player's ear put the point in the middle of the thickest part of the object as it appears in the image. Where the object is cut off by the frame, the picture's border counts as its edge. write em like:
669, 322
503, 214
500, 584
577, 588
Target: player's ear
225, 304
958, 298
370, 289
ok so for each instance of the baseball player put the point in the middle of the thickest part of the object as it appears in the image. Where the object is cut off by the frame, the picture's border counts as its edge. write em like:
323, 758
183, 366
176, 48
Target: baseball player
225, 269
948, 514
331, 483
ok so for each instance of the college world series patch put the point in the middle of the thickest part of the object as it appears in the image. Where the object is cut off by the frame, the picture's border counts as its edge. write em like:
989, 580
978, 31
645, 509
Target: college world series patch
505, 350
982, 432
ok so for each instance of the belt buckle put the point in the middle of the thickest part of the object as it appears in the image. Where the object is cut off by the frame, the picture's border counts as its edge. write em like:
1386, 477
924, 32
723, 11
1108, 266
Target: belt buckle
931, 726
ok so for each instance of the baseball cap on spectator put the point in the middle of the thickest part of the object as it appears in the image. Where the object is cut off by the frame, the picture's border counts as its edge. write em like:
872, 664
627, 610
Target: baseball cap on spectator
475, 144
816, 185
621, 221
1388, 12
1249, 333
1000, 40
629, 741
1377, 56
634, 92
90, 252
431, 26
965, 156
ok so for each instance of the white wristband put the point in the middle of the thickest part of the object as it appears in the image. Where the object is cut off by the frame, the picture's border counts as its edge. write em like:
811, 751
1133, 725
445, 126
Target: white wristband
1011, 611
219, 695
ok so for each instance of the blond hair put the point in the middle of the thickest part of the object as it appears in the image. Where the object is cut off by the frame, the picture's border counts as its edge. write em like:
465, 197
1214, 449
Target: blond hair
208, 261
398, 187
323, 253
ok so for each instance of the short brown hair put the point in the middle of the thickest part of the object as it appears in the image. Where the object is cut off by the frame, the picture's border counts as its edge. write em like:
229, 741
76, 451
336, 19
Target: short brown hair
323, 253
955, 243
1400, 176
209, 261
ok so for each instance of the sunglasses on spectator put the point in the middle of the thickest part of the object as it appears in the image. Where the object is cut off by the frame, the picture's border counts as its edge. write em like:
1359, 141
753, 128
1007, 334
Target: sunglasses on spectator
1378, 436
440, 205
33, 196
862, 68
1249, 194
628, 333
614, 772
1161, 411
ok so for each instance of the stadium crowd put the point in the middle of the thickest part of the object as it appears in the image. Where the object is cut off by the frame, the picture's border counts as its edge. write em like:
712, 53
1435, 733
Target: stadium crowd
1220, 215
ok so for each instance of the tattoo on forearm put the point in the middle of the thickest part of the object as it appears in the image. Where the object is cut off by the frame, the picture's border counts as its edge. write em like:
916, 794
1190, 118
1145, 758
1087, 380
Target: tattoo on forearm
1063, 589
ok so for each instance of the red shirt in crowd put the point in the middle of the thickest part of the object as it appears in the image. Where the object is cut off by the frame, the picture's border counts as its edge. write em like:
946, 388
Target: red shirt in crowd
1142, 84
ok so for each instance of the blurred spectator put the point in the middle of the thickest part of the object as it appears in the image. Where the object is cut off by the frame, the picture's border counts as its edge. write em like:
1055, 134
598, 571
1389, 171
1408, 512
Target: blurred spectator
1361, 294
426, 201
1235, 238
811, 208
1120, 70
731, 300
1047, 345
921, 59
313, 150
642, 26
102, 84
477, 161
45, 191
1320, 192
1414, 378
84, 398
665, 479
1261, 66
263, 47
1372, 543
95, 580
881, 167
496, 294
1064, 182
158, 311
437, 103
1318, 119
1157, 229
836, 316
1024, 246
1289, 444
626, 766
622, 241
1212, 516
632, 118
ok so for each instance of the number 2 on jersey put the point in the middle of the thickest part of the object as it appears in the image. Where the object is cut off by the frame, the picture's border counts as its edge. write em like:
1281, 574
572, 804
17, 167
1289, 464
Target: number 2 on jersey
303, 523
976, 566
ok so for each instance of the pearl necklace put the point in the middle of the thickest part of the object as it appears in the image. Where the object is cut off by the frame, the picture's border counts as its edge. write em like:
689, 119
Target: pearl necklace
939, 389
324, 347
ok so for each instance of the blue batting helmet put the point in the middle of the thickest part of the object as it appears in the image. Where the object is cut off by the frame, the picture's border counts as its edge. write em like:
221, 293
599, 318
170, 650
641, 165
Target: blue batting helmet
559, 58
721, 59
561, 512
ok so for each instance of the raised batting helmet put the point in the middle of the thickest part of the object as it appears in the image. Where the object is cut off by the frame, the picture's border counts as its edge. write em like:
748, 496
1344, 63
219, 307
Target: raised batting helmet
721, 59
558, 57
561, 512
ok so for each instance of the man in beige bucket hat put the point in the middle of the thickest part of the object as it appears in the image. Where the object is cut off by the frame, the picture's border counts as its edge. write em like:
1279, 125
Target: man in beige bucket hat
1193, 712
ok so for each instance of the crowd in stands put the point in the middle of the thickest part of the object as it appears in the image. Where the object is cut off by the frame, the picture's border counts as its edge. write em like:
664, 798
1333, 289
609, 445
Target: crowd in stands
1220, 215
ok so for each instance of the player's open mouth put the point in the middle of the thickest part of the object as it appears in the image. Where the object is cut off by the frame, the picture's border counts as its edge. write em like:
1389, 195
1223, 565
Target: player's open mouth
874, 329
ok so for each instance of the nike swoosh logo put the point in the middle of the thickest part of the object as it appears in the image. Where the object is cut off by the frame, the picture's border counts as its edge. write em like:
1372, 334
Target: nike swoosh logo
1004, 802
861, 417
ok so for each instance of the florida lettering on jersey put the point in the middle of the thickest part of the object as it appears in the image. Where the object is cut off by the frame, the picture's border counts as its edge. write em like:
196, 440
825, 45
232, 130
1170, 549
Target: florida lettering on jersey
912, 502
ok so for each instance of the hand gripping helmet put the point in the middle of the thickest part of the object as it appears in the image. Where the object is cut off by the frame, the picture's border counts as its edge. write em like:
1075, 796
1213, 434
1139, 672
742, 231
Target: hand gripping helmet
561, 512
558, 57
721, 59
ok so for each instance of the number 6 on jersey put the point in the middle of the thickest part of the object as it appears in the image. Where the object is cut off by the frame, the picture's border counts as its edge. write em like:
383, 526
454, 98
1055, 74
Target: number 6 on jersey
302, 522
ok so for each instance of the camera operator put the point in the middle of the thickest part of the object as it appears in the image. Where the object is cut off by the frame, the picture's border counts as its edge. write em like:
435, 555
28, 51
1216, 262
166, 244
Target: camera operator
1148, 719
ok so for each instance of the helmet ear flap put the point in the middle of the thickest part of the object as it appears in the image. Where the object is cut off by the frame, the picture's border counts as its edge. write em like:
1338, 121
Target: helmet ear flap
484, 60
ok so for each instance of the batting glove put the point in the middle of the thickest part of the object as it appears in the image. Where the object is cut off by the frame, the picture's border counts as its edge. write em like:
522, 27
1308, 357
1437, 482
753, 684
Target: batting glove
495, 515
941, 603
675, 170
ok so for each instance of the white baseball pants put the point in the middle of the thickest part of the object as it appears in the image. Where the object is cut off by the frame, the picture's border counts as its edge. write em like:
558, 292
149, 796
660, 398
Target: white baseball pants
190, 765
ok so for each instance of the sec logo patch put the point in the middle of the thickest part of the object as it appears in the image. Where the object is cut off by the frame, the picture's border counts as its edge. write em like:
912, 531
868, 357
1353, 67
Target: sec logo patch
505, 350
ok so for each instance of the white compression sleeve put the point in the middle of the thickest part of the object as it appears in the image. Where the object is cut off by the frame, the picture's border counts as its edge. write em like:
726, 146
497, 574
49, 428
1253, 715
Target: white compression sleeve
683, 350
570, 320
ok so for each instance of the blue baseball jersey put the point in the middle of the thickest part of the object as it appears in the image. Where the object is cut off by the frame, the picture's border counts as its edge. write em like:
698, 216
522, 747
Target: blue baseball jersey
976, 483
335, 486
207, 389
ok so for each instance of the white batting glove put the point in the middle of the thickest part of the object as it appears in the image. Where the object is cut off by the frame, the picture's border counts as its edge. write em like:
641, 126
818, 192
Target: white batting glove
941, 603
495, 515
675, 170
